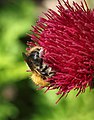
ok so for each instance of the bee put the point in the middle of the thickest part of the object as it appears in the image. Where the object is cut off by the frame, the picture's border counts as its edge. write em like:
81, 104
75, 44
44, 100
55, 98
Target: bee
40, 70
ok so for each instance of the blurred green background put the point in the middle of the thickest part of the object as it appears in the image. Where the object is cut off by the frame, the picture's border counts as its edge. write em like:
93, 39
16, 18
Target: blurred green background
19, 99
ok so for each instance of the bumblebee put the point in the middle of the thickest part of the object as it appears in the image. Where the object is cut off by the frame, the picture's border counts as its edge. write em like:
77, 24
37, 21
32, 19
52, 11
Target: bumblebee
40, 70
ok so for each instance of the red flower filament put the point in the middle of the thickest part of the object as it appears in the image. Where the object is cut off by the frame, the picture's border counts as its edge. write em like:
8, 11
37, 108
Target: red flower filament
67, 37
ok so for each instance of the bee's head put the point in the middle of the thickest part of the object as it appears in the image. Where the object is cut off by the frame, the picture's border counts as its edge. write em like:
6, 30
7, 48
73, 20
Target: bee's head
33, 57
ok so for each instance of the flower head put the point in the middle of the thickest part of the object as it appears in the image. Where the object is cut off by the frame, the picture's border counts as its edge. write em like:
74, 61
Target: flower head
67, 38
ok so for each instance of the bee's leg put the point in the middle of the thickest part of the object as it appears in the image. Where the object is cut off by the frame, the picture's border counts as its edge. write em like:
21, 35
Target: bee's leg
28, 70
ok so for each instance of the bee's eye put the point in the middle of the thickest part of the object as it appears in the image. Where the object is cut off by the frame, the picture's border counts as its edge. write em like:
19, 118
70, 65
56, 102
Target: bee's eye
34, 55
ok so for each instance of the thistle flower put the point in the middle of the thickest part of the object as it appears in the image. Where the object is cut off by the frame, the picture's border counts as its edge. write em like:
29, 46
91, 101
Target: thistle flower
67, 37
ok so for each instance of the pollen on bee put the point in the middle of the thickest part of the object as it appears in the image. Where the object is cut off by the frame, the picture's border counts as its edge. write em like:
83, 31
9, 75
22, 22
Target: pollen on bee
38, 80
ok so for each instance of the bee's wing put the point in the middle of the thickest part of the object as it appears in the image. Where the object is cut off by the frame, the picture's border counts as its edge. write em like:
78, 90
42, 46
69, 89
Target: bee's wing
28, 61
24, 56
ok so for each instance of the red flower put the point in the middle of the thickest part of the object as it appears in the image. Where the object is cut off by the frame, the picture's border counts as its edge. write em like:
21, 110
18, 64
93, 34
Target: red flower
67, 37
